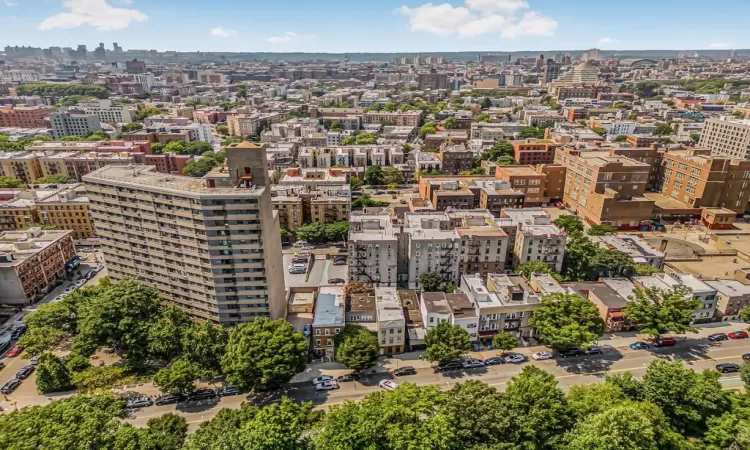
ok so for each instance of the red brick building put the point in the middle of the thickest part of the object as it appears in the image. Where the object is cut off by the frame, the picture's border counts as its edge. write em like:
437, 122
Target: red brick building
25, 116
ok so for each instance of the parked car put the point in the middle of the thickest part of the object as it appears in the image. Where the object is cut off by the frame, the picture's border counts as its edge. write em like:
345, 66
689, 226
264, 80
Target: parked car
639, 346
728, 367
10, 386
575, 351
327, 385
68, 290
741, 334
664, 342
24, 372
299, 260
495, 360
58, 298
139, 402
339, 262
472, 363
18, 331
2, 365
448, 366
297, 266
746, 357
299, 244
227, 391
80, 283
336, 280
379, 192
298, 270
168, 400
348, 377
718, 337
593, 351
321, 379
388, 385
201, 394
14, 351
540, 356
515, 358
307, 331
406, 370
35, 360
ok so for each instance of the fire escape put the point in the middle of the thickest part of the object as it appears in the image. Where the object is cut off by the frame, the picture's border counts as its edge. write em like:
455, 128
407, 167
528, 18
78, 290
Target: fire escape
360, 265
445, 264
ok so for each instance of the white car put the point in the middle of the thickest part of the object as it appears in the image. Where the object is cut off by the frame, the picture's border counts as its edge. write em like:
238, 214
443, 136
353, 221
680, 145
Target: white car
388, 385
515, 358
35, 360
327, 385
472, 363
321, 379
540, 356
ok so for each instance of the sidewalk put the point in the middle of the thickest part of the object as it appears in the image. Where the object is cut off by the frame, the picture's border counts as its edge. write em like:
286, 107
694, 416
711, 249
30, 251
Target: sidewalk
614, 340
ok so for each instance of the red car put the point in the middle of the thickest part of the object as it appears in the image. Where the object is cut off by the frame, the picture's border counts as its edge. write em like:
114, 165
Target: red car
14, 351
664, 342
738, 335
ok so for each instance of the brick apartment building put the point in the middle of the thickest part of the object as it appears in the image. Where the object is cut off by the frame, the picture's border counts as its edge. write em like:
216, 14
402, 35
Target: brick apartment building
456, 158
25, 116
539, 184
534, 151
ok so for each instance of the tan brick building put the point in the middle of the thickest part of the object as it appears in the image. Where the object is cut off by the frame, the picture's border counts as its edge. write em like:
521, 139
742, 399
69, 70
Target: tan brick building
534, 151
606, 189
397, 118
527, 180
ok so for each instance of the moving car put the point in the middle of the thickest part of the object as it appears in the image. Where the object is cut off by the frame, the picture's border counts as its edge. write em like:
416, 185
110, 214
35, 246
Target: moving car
168, 400
139, 402
388, 385
336, 281
495, 360
347, 377
741, 334
448, 366
639, 346
593, 351
321, 379
327, 385
472, 363
201, 394
14, 351
227, 391
24, 372
728, 367
406, 370
664, 342
515, 358
540, 356
717, 337
10, 386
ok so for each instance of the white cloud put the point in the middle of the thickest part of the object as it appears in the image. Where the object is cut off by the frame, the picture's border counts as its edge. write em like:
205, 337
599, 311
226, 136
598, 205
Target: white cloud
605, 40
223, 32
718, 45
10, 3
289, 36
479, 17
96, 13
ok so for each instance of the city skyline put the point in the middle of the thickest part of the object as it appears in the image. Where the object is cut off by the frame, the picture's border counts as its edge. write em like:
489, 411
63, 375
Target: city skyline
398, 26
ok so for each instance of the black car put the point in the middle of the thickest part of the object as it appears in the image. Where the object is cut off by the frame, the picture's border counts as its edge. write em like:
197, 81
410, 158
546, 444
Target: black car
168, 400
336, 281
18, 331
201, 394
494, 361
571, 353
228, 391
449, 366
347, 377
716, 337
24, 372
728, 367
10, 386
407, 370
746, 357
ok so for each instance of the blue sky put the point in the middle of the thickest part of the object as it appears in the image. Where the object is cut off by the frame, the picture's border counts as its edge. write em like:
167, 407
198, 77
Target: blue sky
377, 26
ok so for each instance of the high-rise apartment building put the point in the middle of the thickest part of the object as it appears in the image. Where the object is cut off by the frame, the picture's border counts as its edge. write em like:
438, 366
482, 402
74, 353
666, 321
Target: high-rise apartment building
727, 137
68, 124
211, 245
107, 112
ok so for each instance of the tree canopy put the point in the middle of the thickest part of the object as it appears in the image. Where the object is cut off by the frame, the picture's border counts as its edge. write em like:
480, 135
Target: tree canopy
659, 311
565, 321
317, 232
62, 90
356, 347
54, 179
446, 343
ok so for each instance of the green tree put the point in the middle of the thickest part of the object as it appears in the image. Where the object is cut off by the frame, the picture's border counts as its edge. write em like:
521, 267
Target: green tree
263, 353
611, 263
366, 201
75, 362
131, 127
430, 282
621, 138
659, 311
601, 230
356, 347
175, 147
223, 431
10, 182
537, 409
98, 377
374, 176
731, 430
178, 378
450, 123
484, 117
141, 114
54, 179
168, 431
477, 415
530, 268
204, 346
446, 343
158, 148
197, 148
587, 399
506, 161
284, 426
687, 398
62, 90
38, 340
600, 131
627, 383
663, 130
745, 374
531, 132
355, 182
392, 176
565, 321
745, 314
52, 375
222, 130
390, 106
427, 128
349, 140
569, 224
166, 332
365, 139
644, 270
505, 341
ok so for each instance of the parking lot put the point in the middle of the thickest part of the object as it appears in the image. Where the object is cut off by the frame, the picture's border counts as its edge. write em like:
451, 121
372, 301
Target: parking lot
322, 270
